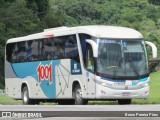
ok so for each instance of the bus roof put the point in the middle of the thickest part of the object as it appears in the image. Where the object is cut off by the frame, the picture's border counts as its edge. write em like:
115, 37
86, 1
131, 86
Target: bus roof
93, 30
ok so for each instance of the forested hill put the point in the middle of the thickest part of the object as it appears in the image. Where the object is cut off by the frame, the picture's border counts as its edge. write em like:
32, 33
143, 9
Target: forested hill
23, 17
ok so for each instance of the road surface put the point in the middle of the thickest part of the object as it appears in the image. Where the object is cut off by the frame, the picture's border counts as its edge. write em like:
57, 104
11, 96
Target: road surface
71, 112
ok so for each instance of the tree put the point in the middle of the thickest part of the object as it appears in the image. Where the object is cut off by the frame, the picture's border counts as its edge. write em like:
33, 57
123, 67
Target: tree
2, 44
40, 7
155, 2
15, 20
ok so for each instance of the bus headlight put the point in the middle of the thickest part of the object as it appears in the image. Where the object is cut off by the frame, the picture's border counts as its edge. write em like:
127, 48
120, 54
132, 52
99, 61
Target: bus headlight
103, 83
145, 84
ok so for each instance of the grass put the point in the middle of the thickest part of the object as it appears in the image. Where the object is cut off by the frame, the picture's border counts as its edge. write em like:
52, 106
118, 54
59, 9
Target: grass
7, 100
154, 97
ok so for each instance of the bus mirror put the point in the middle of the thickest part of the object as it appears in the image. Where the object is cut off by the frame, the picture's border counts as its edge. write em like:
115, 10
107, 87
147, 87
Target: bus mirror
154, 48
94, 47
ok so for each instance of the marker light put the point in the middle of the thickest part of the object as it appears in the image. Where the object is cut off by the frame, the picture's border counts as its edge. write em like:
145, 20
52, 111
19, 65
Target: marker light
49, 35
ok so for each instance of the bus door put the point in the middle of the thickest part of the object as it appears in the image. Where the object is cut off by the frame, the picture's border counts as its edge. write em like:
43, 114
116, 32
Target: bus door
90, 71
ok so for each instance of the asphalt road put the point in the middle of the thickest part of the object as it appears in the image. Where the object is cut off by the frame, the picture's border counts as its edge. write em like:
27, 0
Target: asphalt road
80, 107
71, 112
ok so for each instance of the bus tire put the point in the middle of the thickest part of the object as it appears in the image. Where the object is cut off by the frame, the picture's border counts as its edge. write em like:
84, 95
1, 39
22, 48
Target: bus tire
124, 101
77, 95
25, 97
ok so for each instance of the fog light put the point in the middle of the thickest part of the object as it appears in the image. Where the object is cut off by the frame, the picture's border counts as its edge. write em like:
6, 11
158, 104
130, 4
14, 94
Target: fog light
146, 92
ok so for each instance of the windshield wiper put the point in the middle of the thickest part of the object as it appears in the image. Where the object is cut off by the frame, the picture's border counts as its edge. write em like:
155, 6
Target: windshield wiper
119, 60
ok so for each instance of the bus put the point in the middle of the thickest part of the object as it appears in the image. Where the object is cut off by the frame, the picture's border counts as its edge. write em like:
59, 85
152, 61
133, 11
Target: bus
71, 65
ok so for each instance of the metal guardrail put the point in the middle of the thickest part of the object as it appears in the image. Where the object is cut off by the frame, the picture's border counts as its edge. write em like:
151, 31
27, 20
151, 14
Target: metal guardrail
2, 92
154, 64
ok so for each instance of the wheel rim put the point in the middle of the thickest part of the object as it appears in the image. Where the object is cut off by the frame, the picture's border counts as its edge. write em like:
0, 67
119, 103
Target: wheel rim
79, 95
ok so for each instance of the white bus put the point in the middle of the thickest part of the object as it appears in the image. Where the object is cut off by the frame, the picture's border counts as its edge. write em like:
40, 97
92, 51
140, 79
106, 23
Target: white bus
71, 65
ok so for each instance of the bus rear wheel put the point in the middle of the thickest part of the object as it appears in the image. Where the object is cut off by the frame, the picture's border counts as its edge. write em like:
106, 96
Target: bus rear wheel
25, 97
124, 101
77, 95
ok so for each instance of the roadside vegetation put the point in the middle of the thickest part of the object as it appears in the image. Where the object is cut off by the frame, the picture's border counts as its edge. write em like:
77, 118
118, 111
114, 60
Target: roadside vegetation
5, 100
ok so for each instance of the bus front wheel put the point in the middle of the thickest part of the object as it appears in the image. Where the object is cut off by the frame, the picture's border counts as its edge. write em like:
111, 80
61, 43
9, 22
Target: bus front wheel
77, 95
124, 101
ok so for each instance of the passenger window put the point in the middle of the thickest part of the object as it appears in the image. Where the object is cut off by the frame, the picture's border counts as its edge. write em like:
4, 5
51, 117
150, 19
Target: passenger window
48, 49
34, 47
14, 53
28, 55
21, 51
71, 48
59, 44
9, 49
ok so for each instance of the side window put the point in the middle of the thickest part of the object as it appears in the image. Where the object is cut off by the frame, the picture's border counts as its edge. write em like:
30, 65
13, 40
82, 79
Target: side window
89, 58
83, 42
28, 55
71, 48
43, 49
34, 50
14, 50
48, 49
21, 51
9, 51
59, 45
17, 52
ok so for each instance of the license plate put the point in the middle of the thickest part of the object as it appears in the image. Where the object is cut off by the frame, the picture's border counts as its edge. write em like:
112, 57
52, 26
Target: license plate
126, 94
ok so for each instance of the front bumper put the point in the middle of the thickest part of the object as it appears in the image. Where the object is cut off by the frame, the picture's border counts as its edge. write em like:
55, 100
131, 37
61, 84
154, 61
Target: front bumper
103, 92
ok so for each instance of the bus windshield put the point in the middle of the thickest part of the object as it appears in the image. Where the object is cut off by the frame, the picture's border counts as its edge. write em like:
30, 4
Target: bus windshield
122, 59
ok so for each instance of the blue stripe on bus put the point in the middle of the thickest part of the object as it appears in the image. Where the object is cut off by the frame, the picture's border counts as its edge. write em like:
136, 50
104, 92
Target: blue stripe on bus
24, 70
112, 80
143, 79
